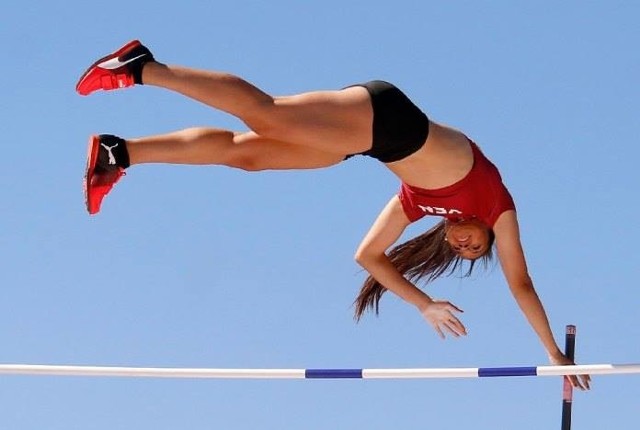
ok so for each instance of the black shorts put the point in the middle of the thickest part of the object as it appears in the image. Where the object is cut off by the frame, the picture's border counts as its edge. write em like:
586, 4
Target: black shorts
400, 128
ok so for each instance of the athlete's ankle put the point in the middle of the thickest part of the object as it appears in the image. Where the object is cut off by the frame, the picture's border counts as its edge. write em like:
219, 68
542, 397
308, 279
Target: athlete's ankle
137, 70
151, 72
113, 151
124, 161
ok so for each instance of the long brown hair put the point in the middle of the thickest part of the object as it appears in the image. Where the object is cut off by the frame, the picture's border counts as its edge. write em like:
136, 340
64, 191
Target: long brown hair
426, 256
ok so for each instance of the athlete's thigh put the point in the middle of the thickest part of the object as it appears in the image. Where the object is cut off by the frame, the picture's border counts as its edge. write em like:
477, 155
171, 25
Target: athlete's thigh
334, 121
254, 152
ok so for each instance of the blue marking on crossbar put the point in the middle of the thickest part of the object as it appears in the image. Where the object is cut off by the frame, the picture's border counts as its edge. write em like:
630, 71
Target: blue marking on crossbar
507, 371
333, 373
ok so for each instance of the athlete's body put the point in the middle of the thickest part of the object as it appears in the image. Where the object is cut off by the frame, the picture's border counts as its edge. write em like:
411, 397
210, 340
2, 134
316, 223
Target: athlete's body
320, 129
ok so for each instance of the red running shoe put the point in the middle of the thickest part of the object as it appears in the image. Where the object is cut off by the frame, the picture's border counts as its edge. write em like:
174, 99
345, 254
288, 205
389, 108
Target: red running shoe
120, 69
103, 169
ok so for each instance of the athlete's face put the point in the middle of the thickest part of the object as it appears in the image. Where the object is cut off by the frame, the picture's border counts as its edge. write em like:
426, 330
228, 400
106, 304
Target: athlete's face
469, 239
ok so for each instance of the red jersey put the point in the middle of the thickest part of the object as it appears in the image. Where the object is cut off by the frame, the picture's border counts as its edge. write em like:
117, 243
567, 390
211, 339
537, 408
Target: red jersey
481, 194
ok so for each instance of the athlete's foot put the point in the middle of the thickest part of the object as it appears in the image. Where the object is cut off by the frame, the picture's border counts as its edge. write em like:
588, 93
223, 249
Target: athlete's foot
107, 157
120, 69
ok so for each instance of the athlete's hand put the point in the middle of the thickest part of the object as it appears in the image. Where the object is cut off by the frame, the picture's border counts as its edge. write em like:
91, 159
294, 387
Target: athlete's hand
581, 381
441, 315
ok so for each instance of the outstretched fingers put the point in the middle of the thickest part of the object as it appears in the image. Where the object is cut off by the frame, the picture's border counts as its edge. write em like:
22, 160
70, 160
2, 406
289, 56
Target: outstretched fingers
455, 326
440, 315
581, 382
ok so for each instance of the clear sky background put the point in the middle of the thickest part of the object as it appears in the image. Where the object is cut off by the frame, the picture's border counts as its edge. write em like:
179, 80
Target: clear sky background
214, 267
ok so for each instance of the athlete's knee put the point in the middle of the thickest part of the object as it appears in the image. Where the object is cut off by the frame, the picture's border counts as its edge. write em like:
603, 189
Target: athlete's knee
247, 162
262, 121
197, 134
244, 154
269, 120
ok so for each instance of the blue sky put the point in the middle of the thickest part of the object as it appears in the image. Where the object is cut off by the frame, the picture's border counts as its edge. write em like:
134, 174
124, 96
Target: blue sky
211, 267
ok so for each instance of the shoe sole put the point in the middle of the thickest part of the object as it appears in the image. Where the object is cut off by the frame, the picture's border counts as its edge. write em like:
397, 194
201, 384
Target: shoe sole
117, 53
92, 158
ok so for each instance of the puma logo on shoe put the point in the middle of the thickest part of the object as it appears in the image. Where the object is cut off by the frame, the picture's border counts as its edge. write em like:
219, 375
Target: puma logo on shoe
112, 158
114, 63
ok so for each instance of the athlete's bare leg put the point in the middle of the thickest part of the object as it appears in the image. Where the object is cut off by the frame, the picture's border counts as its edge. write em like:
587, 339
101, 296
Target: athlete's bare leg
337, 122
247, 151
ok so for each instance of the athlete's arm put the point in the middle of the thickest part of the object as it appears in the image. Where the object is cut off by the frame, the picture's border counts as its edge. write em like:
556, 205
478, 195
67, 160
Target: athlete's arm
371, 255
514, 267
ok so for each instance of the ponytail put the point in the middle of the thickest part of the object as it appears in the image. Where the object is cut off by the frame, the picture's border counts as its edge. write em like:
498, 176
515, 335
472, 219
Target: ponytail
427, 256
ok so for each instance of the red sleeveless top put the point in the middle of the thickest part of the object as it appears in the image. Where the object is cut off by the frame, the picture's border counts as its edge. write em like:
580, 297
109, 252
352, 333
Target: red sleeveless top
480, 194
